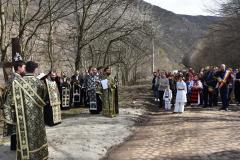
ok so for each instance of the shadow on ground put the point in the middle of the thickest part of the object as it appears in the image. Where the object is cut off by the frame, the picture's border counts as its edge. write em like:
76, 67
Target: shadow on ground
6, 153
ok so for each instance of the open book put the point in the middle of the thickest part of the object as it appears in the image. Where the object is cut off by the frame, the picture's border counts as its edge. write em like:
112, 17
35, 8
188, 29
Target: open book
104, 84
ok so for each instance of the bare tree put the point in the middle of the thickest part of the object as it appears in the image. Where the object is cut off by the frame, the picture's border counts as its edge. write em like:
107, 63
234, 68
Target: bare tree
78, 33
221, 45
93, 19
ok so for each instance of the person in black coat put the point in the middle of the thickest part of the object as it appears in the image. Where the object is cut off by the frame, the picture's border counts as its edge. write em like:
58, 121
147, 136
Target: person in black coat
209, 84
49, 112
154, 86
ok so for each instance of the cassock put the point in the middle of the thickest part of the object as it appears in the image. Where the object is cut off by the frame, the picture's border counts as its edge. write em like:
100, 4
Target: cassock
52, 110
99, 92
24, 108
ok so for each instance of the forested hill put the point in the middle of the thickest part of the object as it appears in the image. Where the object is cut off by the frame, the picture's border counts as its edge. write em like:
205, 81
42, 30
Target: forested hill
177, 35
202, 21
69, 35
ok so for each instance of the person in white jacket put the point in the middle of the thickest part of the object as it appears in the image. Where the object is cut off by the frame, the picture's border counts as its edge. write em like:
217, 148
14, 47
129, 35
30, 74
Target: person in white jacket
181, 97
167, 96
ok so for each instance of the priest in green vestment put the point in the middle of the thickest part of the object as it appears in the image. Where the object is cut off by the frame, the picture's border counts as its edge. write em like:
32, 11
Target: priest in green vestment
24, 108
108, 93
9, 126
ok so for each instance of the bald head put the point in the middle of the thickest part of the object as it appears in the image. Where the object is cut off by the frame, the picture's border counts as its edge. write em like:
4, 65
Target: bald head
223, 67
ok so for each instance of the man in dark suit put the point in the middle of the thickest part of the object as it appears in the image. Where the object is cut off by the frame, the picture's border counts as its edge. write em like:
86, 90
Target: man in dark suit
224, 77
209, 84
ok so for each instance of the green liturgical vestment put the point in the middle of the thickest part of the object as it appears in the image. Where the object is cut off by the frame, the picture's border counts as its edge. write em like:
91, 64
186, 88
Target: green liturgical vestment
108, 98
24, 107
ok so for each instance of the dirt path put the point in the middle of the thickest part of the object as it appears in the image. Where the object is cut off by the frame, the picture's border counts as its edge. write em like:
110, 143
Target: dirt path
82, 136
198, 134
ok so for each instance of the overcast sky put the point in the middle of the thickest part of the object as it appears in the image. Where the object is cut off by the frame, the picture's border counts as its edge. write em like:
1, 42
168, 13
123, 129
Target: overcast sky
189, 7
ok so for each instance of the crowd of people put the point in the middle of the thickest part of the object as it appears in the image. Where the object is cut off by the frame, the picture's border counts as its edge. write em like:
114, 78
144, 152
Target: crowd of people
205, 88
31, 101
87, 90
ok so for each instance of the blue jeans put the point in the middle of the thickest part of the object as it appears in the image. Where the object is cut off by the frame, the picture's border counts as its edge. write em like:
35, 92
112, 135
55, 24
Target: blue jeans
224, 96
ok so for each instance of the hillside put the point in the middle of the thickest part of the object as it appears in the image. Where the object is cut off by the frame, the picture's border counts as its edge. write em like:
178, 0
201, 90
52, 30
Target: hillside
177, 35
113, 33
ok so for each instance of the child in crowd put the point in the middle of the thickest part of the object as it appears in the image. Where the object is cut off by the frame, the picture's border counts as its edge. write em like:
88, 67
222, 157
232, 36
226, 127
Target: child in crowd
167, 96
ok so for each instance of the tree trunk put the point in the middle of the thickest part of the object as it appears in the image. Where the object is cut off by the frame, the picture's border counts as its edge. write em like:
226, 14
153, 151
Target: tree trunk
50, 37
92, 55
126, 75
78, 61
135, 74
2, 36
23, 7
